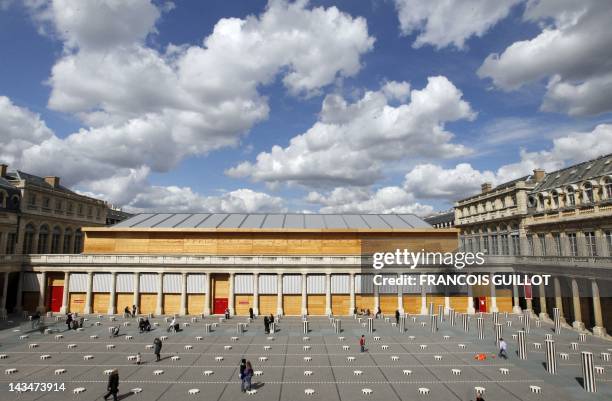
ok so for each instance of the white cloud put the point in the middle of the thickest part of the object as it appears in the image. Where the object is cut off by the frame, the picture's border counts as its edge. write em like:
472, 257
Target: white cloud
359, 200
352, 142
572, 51
450, 22
146, 110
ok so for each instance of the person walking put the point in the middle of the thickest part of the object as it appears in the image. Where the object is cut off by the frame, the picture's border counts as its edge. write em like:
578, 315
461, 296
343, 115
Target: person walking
362, 343
397, 316
138, 359
271, 318
241, 375
126, 312
266, 324
36, 319
227, 313
248, 375
133, 310
503, 348
251, 314
157, 344
68, 321
113, 385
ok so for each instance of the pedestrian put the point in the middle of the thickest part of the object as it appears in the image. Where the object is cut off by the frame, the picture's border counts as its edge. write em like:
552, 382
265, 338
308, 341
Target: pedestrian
227, 313
362, 343
248, 375
138, 359
126, 312
251, 314
113, 385
397, 316
267, 324
157, 348
271, 318
68, 321
479, 397
378, 312
241, 375
36, 319
503, 348
133, 310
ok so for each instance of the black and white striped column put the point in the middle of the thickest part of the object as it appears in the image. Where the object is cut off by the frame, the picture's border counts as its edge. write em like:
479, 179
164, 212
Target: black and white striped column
557, 319
207, 328
499, 330
587, 371
440, 313
370, 325
522, 348
239, 328
527, 321
402, 324
433, 323
551, 357
338, 326
495, 318
466, 322
305, 326
273, 327
431, 308
451, 316
480, 327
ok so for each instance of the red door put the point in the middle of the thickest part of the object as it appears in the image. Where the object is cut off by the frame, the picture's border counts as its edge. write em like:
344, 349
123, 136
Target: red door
219, 306
482, 304
55, 298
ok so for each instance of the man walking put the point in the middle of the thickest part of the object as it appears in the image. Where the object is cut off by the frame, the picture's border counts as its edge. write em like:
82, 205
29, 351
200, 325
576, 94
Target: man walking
503, 348
113, 385
362, 343
157, 348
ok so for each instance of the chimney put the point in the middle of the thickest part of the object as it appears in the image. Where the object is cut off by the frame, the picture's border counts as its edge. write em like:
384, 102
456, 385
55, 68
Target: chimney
486, 187
3, 169
53, 181
538, 174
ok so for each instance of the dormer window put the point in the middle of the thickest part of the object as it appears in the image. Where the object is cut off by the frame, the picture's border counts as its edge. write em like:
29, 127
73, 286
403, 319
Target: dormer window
555, 199
588, 193
608, 188
570, 197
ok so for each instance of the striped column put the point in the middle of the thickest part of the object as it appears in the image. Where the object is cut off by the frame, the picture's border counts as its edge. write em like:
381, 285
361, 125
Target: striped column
557, 319
551, 357
495, 317
522, 349
451, 315
527, 320
586, 359
480, 326
440, 313
402, 324
370, 325
273, 327
499, 331
305, 326
431, 308
433, 323
466, 326
338, 326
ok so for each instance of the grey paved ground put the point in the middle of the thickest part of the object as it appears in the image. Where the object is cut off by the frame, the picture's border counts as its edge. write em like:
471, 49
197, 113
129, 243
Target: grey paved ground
283, 376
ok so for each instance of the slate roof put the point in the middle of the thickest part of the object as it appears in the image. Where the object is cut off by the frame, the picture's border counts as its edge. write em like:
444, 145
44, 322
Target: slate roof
576, 173
273, 221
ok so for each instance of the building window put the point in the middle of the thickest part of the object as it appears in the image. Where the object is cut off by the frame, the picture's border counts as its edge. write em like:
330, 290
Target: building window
67, 239
470, 245
554, 200
70, 207
89, 211
78, 241
608, 188
11, 240
504, 244
485, 244
28, 239
588, 193
43, 239
58, 205
530, 244
573, 244
542, 241
477, 244
494, 245
516, 244
591, 243
557, 239
609, 242
570, 197
32, 200
80, 209
55, 240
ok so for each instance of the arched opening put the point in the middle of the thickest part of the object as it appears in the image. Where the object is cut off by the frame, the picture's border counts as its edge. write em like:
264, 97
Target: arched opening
55, 240
28, 239
78, 241
43, 239
67, 240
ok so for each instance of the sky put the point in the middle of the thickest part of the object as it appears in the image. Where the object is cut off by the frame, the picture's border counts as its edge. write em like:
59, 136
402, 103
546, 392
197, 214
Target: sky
373, 106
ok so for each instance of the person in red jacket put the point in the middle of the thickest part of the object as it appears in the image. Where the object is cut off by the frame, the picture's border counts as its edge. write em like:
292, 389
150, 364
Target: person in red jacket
362, 343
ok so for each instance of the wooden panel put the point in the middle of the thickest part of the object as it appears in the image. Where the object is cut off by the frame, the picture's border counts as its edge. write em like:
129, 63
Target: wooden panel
341, 305
388, 303
195, 303
220, 285
30, 301
412, 303
268, 304
242, 303
292, 305
124, 299
316, 305
101, 301
56, 280
437, 299
172, 304
504, 300
77, 302
458, 303
148, 303
365, 302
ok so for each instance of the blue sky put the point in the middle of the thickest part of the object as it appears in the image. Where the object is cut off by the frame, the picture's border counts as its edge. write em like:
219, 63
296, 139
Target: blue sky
80, 94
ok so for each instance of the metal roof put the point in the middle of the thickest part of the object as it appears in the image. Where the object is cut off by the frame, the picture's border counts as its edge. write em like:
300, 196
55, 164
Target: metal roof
272, 221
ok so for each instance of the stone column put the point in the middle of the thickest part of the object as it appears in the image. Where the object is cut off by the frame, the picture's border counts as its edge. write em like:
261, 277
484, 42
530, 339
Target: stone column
159, 310
376, 299
66, 293
3, 240
304, 294
279, 291
136, 285
208, 294
328, 305
577, 324
42, 298
4, 290
424, 310
559, 300
256, 294
470, 301
598, 330
494, 307
112, 305
543, 307
230, 301
352, 301
89, 295
19, 300
515, 296
183, 309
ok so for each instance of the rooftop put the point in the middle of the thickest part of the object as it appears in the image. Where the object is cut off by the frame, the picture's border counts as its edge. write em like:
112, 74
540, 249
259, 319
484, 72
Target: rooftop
577, 172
